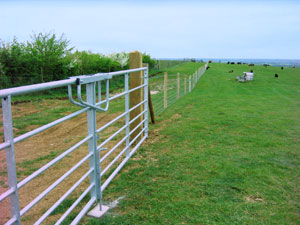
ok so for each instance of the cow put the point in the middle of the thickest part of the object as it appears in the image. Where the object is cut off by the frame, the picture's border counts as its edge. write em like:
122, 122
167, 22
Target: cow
230, 71
276, 75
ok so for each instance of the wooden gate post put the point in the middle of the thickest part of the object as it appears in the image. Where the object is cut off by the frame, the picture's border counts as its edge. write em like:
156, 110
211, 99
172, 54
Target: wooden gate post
166, 90
135, 97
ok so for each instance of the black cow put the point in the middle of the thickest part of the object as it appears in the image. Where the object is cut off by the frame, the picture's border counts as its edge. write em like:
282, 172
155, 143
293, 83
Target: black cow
276, 75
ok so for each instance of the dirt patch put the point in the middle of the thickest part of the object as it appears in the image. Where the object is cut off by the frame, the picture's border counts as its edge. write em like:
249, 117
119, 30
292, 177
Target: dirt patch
254, 199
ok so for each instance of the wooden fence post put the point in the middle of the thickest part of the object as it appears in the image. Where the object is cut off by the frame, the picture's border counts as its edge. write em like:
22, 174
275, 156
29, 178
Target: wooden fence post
135, 97
150, 105
166, 90
190, 83
185, 84
178, 84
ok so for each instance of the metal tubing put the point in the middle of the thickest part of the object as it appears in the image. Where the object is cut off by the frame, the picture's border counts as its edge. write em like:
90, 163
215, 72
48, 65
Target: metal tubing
55, 84
6, 194
109, 179
42, 128
146, 101
119, 143
52, 162
99, 90
138, 87
52, 186
117, 118
119, 155
127, 112
59, 201
10, 158
118, 131
35, 87
64, 216
83, 212
87, 104
71, 97
92, 144
113, 149
12, 220
126, 148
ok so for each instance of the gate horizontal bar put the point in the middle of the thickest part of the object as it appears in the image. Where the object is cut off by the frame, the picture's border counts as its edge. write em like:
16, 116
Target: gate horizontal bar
59, 201
118, 131
109, 179
78, 200
119, 155
52, 162
6, 194
42, 128
57, 182
118, 117
55, 84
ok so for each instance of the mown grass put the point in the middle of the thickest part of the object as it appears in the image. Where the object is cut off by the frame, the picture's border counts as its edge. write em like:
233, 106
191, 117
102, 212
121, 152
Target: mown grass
227, 153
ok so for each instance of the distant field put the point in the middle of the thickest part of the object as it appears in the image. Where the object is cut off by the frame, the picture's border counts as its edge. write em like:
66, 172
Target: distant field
227, 153
163, 64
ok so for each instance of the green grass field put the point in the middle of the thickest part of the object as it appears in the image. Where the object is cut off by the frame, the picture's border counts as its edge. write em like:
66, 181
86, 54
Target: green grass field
227, 153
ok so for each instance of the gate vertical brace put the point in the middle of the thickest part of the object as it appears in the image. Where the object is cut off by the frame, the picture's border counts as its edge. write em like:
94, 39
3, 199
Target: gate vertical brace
10, 158
127, 113
146, 102
92, 144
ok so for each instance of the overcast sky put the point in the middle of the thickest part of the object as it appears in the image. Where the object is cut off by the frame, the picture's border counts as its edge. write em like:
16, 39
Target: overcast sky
164, 29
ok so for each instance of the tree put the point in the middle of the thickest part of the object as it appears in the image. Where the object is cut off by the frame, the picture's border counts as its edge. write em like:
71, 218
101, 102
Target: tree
147, 59
47, 54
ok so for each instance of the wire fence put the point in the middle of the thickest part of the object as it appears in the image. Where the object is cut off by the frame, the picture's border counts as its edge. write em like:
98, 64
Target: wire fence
168, 88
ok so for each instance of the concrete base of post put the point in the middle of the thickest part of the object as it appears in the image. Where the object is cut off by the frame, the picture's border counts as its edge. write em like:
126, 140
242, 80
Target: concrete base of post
96, 212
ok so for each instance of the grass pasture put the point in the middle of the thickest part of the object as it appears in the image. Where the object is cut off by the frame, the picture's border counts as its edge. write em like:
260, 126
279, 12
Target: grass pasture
227, 153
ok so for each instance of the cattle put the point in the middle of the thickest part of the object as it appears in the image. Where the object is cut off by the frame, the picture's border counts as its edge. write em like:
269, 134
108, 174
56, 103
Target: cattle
276, 75
251, 64
228, 62
209, 61
239, 63
282, 67
230, 71
232, 63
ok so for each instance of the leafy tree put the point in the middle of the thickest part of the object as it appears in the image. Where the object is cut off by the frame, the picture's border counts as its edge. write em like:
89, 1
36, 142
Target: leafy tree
149, 60
47, 55
12, 64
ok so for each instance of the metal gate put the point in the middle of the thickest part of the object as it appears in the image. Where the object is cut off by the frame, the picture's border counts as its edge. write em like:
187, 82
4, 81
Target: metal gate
92, 104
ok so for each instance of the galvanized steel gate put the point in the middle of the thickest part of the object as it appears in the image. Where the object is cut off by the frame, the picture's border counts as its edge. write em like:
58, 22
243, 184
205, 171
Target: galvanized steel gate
91, 105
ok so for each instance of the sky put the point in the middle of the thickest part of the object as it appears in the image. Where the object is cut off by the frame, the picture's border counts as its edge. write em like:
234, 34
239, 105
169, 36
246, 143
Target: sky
266, 29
